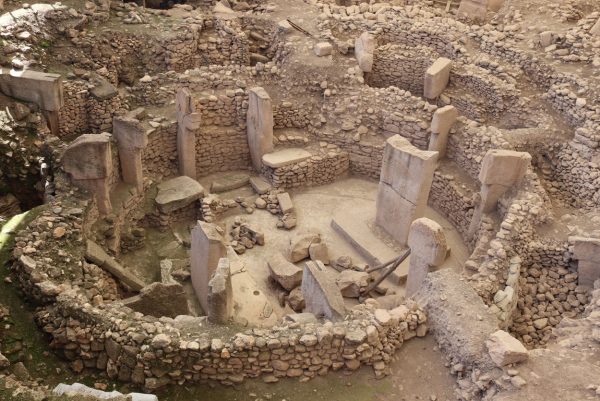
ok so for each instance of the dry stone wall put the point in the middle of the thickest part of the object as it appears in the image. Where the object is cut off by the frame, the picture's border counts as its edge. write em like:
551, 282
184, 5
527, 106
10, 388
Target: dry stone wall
322, 168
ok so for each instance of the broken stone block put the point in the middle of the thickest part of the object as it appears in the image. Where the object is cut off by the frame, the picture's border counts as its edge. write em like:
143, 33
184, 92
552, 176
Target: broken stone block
437, 77
504, 349
323, 49
178, 193
285, 202
300, 244
321, 295
158, 299
319, 251
296, 300
364, 47
351, 282
288, 275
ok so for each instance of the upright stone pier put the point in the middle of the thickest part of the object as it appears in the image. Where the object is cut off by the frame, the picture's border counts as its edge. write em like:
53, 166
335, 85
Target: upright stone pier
404, 185
441, 123
587, 253
364, 49
207, 250
500, 171
437, 77
131, 140
259, 122
188, 124
88, 160
427, 243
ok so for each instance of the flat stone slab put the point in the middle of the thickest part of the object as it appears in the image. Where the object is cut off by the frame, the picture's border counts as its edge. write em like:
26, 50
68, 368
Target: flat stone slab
357, 229
260, 185
229, 182
177, 193
285, 157
95, 254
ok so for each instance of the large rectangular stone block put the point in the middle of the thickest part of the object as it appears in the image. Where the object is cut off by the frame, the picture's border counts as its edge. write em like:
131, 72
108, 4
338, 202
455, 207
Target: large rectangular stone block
504, 167
437, 77
259, 125
407, 169
41, 88
321, 294
207, 250
395, 214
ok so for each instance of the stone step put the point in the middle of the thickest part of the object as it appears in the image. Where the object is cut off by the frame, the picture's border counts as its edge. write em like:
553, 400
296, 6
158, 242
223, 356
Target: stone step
285, 157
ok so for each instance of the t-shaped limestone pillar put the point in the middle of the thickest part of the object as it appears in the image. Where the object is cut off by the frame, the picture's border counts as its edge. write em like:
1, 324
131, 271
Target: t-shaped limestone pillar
500, 170
207, 250
587, 253
220, 294
131, 140
259, 122
88, 160
437, 77
404, 185
428, 247
188, 123
442, 121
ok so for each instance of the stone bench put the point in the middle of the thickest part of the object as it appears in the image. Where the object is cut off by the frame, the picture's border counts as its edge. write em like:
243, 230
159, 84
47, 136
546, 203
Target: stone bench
285, 157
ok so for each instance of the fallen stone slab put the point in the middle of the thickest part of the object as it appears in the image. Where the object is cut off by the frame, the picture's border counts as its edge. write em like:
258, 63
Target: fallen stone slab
285, 157
504, 349
300, 245
260, 185
321, 295
178, 193
285, 202
95, 254
229, 182
287, 274
158, 300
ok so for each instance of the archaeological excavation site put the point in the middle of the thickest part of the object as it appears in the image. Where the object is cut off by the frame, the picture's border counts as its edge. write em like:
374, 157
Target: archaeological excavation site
298, 200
